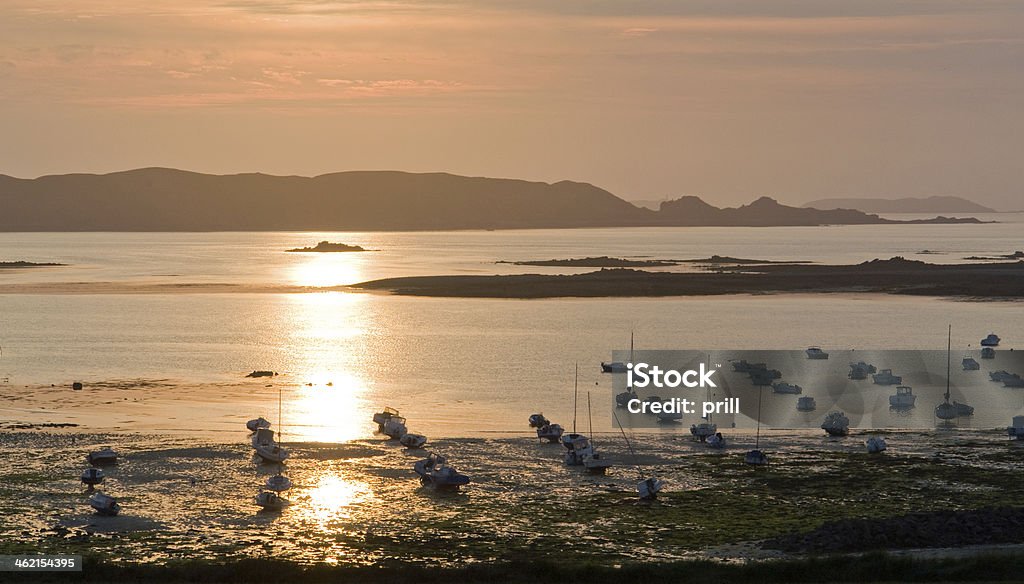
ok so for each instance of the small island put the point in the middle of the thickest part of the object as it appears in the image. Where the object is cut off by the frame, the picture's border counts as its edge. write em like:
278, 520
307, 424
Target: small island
24, 264
328, 247
596, 262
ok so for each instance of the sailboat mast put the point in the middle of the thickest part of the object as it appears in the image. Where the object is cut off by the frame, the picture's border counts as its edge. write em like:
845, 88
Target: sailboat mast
575, 395
949, 349
590, 420
280, 429
757, 436
636, 461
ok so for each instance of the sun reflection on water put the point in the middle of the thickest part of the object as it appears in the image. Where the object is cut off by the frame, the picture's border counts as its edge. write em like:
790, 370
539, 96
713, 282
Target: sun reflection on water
330, 409
328, 269
332, 498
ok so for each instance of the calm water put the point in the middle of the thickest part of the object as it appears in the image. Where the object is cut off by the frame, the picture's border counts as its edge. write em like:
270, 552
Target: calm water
454, 367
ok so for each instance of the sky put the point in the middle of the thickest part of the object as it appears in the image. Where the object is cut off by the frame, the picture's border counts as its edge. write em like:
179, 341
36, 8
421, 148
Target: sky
727, 100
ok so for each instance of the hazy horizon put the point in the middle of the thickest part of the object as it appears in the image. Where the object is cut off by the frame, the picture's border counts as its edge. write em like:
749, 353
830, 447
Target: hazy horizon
798, 101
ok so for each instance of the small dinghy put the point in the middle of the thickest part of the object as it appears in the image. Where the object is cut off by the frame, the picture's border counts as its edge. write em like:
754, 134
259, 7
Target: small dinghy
816, 353
278, 483
381, 418
988, 353
992, 340
551, 432
806, 404
104, 504
395, 428
435, 473
258, 423
102, 457
783, 387
267, 448
876, 444
1000, 376
595, 464
649, 488
836, 424
756, 458
413, 440
270, 501
716, 441
622, 400
92, 476
861, 370
970, 364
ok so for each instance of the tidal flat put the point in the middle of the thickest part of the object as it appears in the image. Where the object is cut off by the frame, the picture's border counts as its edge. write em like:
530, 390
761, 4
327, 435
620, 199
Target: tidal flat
359, 503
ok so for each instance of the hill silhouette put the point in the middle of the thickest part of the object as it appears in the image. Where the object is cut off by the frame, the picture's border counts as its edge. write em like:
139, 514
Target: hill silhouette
161, 199
904, 205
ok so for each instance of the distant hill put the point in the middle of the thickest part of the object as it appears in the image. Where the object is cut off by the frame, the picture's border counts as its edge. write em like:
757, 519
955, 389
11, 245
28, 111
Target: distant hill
904, 205
160, 199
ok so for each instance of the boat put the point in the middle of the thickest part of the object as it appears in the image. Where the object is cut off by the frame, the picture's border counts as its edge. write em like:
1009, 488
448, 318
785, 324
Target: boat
278, 483
104, 504
704, 430
381, 418
253, 425
395, 428
623, 399
992, 340
876, 444
92, 476
1000, 376
577, 446
816, 353
903, 399
649, 488
411, 440
783, 387
970, 364
1013, 381
434, 472
742, 366
861, 370
885, 377
269, 450
988, 353
613, 367
669, 417
716, 440
763, 377
102, 457
756, 458
270, 501
1016, 429
551, 432
538, 421
836, 424
806, 404
946, 410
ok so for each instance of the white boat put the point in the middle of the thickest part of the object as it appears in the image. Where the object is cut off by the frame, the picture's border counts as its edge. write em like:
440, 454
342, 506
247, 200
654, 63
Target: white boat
104, 504
992, 340
1016, 429
716, 440
988, 353
806, 404
816, 353
270, 501
381, 418
783, 387
267, 448
861, 370
594, 463
92, 476
434, 472
411, 440
253, 425
649, 488
836, 424
756, 458
577, 447
102, 457
395, 428
903, 399
551, 432
876, 444
970, 364
885, 377
278, 483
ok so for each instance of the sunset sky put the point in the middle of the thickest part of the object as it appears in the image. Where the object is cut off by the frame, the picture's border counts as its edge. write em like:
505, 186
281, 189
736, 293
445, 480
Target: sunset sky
797, 99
